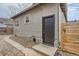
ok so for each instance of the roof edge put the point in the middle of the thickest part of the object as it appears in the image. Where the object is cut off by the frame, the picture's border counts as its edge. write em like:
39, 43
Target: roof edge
33, 5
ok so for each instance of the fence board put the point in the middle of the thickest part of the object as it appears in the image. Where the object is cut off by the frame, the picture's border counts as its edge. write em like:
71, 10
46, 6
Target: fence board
70, 37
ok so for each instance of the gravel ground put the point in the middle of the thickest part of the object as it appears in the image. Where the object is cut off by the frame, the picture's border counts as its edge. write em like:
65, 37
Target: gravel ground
8, 50
2, 36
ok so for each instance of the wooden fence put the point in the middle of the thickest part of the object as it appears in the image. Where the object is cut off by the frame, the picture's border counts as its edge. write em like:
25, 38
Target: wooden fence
70, 37
6, 31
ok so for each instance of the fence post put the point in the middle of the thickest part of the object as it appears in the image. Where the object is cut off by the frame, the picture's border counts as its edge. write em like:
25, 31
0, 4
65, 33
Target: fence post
62, 36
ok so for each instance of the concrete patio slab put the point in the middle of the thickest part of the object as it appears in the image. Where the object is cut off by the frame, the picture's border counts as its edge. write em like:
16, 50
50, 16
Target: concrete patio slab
47, 50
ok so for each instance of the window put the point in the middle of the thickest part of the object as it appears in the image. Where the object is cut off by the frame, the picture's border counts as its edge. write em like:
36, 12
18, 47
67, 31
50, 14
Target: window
27, 19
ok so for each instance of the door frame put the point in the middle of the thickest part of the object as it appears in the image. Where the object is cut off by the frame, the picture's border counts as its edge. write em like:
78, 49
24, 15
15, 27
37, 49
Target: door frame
43, 25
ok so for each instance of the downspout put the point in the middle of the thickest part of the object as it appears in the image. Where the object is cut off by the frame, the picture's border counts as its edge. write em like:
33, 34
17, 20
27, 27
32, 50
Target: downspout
66, 13
57, 26
58, 21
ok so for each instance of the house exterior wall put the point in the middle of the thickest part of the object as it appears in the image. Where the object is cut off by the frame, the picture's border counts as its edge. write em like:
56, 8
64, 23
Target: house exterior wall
34, 26
61, 20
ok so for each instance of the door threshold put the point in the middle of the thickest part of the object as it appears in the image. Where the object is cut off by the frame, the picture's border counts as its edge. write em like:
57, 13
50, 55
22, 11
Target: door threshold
48, 45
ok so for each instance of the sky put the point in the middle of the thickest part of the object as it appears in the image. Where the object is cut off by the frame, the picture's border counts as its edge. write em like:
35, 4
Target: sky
8, 9
73, 10
4, 9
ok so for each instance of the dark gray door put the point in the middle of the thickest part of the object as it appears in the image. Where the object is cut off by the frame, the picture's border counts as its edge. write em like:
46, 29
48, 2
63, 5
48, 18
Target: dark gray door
48, 30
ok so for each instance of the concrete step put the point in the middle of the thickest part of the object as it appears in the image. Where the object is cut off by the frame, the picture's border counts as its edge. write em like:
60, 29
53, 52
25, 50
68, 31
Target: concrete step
47, 50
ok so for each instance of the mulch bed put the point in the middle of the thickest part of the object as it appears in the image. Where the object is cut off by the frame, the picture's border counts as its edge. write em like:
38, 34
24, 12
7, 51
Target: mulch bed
26, 42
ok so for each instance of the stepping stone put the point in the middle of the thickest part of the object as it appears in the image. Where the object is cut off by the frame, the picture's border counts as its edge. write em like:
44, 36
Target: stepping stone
47, 50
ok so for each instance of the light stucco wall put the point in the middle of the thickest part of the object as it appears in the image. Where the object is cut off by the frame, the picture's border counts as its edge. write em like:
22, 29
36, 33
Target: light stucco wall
34, 27
61, 20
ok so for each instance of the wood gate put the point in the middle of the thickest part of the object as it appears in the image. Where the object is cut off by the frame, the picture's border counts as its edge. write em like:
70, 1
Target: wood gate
70, 37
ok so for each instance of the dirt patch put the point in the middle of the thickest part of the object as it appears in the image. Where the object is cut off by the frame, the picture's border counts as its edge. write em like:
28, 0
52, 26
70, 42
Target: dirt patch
8, 50
26, 42
63, 53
